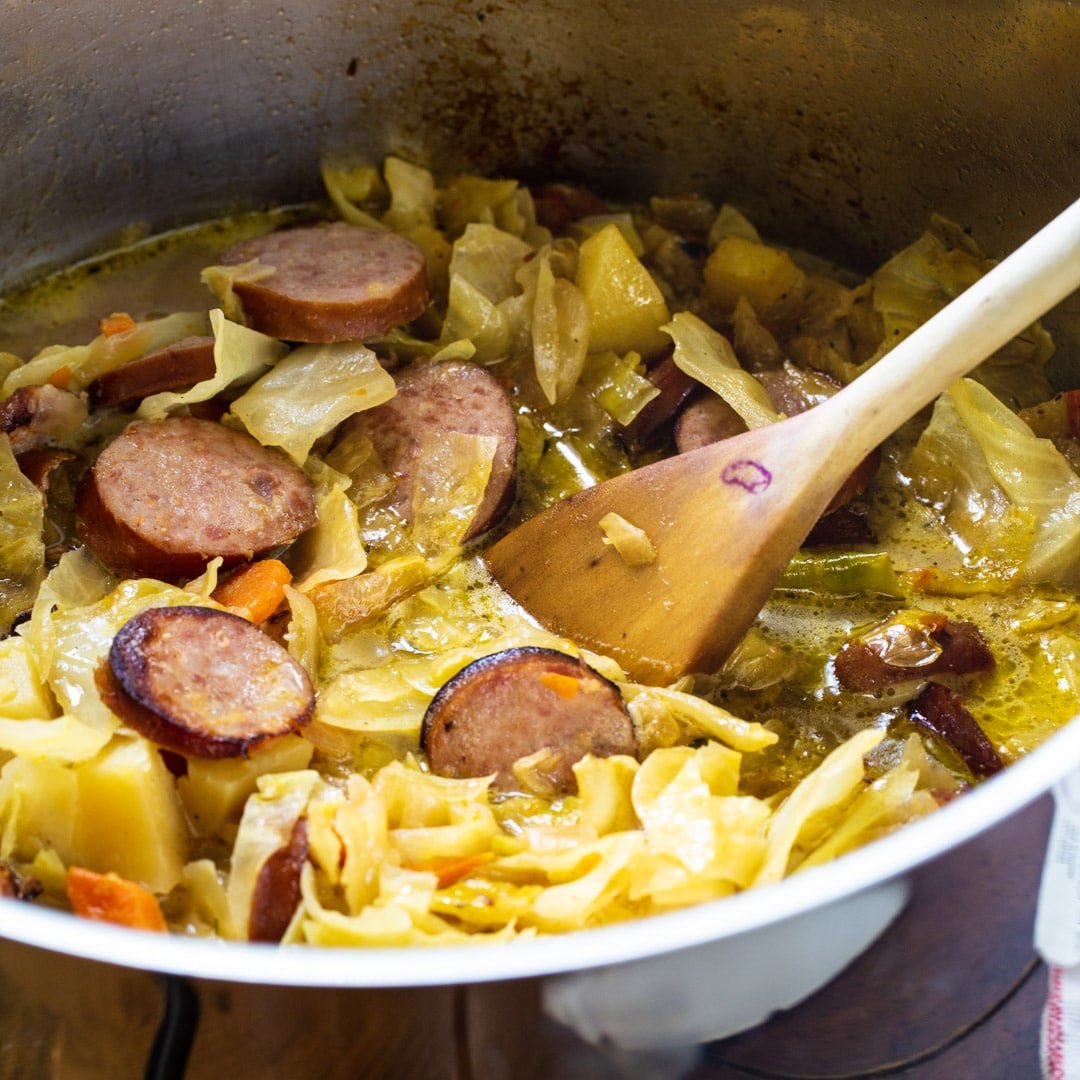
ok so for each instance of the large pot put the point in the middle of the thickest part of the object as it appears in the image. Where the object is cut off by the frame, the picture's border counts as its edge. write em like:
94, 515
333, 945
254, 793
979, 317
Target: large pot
838, 127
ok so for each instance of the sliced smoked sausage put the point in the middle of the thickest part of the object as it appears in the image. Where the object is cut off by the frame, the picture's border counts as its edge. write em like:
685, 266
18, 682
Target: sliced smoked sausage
331, 282
942, 712
437, 399
37, 416
175, 367
884, 655
277, 888
676, 388
164, 498
204, 682
515, 703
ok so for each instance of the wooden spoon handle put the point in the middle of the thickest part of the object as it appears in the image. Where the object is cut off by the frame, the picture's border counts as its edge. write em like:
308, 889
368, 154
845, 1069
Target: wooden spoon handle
990, 313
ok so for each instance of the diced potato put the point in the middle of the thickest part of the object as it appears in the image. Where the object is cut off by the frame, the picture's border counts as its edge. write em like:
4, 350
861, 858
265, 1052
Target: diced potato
130, 819
22, 693
626, 307
214, 792
38, 809
763, 274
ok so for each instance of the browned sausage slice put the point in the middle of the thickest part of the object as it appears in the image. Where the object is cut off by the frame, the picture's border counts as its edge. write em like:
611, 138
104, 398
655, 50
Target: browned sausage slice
863, 663
708, 420
331, 282
277, 888
36, 416
40, 466
515, 703
204, 682
842, 527
558, 206
176, 367
676, 388
943, 713
165, 498
442, 398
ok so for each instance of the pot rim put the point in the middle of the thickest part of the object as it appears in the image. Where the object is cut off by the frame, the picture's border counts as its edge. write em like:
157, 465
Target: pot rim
640, 939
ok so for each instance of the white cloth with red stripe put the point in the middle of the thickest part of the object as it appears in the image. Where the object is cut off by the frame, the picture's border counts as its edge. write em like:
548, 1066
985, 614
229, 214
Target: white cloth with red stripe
1057, 936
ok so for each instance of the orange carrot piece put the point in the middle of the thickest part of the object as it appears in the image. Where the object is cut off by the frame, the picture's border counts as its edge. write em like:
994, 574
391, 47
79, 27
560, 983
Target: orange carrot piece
255, 591
452, 869
111, 898
117, 323
60, 378
566, 686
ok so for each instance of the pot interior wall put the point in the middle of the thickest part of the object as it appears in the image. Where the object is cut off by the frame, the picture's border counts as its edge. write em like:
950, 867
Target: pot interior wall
837, 127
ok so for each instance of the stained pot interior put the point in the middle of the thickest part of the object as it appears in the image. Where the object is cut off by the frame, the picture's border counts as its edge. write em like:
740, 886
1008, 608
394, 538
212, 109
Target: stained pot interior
836, 126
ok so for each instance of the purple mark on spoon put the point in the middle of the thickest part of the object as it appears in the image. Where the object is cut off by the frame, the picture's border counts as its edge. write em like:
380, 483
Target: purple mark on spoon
747, 474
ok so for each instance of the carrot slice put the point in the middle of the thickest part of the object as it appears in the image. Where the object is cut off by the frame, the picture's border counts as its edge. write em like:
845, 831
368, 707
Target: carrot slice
447, 871
117, 323
60, 377
566, 686
255, 591
111, 898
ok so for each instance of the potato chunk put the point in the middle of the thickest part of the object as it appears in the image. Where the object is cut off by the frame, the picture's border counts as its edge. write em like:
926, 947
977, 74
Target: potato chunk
763, 274
130, 820
626, 307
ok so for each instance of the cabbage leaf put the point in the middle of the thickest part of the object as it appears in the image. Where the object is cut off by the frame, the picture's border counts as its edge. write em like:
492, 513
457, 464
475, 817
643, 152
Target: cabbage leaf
1011, 500
22, 547
240, 355
707, 356
310, 392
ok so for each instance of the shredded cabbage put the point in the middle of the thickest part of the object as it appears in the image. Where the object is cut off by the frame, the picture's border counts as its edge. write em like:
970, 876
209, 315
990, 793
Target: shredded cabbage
354, 188
829, 786
920, 280
633, 544
618, 384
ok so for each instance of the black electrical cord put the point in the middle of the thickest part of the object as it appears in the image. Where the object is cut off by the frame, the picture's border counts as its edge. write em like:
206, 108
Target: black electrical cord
176, 1032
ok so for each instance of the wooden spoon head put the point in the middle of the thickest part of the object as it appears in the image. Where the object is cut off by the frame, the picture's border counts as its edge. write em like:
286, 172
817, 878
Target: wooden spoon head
724, 520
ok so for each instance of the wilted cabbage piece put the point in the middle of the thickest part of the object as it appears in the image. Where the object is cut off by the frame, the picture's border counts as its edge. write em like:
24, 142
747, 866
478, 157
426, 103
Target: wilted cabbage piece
452, 472
920, 280
1011, 499
22, 548
633, 544
560, 332
618, 384
706, 355
333, 549
358, 193
222, 280
240, 355
310, 392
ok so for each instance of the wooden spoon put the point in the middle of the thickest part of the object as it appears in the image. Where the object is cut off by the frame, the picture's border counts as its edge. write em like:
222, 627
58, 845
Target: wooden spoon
725, 520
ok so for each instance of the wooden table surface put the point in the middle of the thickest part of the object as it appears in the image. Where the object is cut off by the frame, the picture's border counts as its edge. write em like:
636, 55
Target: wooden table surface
953, 990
